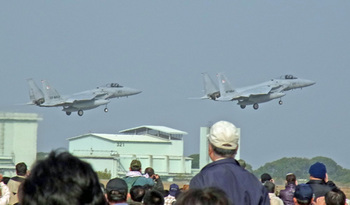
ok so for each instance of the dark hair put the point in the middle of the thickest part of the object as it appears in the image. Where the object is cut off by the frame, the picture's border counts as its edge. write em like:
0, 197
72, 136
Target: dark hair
265, 177
61, 179
153, 197
149, 171
291, 178
117, 196
137, 193
223, 152
335, 197
21, 169
269, 186
304, 202
5, 180
206, 196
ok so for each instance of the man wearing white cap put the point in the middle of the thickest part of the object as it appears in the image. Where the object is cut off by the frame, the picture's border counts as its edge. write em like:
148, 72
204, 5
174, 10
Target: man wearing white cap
240, 186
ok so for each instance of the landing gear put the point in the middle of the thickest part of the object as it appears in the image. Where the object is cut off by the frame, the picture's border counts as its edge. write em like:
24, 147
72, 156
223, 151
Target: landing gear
106, 110
256, 106
280, 102
243, 106
80, 112
68, 113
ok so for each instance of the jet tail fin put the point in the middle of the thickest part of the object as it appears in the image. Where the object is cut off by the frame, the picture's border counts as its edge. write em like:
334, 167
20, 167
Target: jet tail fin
35, 94
210, 88
50, 93
224, 85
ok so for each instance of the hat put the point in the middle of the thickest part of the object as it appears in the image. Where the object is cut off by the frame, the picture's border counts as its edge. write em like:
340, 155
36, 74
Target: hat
303, 192
116, 184
224, 135
136, 164
318, 170
265, 177
174, 188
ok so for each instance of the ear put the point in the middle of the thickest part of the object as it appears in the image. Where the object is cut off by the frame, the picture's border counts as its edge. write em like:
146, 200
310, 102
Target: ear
211, 152
295, 200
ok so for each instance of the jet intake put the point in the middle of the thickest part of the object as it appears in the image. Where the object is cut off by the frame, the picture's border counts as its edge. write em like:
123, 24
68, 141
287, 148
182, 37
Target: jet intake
101, 102
39, 101
276, 95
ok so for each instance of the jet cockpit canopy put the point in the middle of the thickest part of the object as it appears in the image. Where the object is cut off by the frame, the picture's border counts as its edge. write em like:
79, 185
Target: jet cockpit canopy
114, 85
288, 77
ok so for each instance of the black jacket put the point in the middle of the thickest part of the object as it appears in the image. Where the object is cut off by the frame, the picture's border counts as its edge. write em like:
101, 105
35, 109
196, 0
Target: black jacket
320, 187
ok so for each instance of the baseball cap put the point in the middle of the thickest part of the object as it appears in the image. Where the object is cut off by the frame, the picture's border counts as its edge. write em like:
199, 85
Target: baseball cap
303, 192
116, 184
174, 188
318, 170
136, 164
224, 135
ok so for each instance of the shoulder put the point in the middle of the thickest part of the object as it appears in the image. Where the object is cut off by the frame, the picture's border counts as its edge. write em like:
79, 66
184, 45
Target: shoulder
144, 180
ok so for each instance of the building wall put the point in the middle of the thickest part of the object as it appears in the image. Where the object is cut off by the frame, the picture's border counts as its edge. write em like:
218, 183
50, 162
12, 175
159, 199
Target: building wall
18, 140
166, 158
95, 146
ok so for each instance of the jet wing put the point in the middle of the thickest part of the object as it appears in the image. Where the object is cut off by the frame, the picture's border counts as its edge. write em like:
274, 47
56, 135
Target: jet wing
261, 90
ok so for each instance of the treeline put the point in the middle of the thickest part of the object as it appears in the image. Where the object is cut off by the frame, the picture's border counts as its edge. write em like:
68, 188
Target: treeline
299, 166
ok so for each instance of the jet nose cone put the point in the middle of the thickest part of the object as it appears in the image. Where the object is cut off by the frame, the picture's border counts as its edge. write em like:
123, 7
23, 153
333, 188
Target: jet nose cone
310, 82
134, 91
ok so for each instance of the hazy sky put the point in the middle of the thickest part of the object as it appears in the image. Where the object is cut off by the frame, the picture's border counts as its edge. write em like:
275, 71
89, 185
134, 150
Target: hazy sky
162, 47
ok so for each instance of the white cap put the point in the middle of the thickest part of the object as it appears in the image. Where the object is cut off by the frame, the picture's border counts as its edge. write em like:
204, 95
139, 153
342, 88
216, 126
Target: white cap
224, 135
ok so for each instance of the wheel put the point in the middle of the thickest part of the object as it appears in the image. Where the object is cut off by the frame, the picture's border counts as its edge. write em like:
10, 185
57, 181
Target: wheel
243, 106
106, 110
280, 102
80, 112
68, 113
256, 106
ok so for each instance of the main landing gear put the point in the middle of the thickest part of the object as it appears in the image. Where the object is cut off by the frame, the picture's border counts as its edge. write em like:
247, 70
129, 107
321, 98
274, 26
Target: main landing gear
80, 112
256, 106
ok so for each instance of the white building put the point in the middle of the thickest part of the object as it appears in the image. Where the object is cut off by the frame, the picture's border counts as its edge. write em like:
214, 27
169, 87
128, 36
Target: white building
158, 147
18, 140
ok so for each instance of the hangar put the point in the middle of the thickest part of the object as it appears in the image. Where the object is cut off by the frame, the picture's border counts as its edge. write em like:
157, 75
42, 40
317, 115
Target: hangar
18, 140
159, 147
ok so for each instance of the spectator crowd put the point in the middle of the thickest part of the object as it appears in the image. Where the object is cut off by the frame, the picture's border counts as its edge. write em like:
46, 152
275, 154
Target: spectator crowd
62, 178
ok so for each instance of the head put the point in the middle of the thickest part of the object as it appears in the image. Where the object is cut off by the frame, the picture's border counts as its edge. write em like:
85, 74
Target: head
149, 171
61, 179
137, 193
291, 178
174, 189
153, 197
21, 169
265, 177
303, 194
135, 165
318, 171
335, 197
208, 196
117, 190
269, 186
223, 140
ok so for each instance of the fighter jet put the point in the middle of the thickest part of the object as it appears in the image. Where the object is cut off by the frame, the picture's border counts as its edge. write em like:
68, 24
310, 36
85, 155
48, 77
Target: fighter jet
86, 100
252, 95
